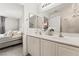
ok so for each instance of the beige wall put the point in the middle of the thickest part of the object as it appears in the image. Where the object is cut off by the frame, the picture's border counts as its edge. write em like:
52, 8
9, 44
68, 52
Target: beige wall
70, 24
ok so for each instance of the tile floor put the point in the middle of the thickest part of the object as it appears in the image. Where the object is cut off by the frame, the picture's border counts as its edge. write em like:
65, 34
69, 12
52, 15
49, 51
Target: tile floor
12, 51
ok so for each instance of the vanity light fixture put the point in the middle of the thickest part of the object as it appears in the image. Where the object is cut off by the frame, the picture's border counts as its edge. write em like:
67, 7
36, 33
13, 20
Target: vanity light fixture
45, 5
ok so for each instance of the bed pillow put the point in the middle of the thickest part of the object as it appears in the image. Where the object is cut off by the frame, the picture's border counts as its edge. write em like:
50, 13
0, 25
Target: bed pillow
8, 34
16, 34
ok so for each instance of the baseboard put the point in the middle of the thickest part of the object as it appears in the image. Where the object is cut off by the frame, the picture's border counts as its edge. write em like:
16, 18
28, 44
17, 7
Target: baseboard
10, 46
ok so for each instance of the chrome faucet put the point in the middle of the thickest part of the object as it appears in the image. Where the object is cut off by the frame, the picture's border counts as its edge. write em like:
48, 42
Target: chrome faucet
60, 34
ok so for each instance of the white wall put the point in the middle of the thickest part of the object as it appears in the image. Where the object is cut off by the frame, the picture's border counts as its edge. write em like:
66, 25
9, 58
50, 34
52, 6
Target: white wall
31, 7
11, 10
11, 24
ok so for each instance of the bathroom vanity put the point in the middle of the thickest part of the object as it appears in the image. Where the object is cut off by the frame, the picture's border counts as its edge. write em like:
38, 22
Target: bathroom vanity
44, 45
39, 44
61, 19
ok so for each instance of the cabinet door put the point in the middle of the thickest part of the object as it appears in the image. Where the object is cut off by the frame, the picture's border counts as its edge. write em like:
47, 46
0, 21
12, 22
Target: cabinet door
48, 48
65, 50
34, 46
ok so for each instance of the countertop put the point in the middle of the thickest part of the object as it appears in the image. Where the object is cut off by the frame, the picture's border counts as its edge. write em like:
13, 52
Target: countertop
72, 41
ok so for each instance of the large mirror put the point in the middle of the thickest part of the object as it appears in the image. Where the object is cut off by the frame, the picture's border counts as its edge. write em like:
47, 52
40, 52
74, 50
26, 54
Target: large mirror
68, 20
37, 21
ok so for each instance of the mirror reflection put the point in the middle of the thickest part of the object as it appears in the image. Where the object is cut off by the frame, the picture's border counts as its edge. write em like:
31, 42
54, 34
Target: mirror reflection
37, 22
33, 21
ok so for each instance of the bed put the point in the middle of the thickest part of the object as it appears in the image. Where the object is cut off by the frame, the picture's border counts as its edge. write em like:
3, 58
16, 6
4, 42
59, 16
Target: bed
10, 39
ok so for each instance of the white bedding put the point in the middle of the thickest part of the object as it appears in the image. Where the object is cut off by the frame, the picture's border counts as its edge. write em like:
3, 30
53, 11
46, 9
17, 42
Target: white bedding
1, 35
6, 39
10, 36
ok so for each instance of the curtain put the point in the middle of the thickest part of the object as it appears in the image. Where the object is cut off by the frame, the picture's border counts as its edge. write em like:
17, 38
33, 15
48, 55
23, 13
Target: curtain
2, 24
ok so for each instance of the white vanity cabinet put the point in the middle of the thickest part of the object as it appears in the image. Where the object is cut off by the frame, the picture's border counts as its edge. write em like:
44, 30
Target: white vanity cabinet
48, 48
66, 50
34, 46
44, 47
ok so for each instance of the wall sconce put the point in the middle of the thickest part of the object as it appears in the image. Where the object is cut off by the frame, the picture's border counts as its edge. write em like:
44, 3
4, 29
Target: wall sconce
75, 10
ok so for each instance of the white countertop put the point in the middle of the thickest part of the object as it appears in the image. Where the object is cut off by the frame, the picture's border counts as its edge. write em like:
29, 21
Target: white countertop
74, 41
